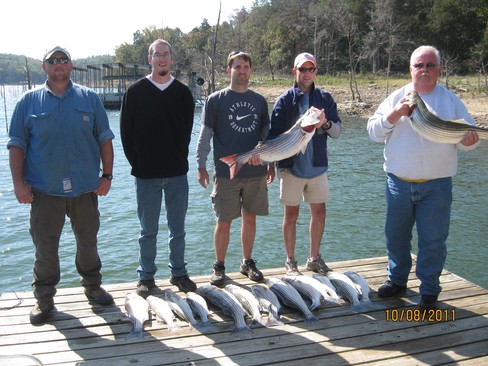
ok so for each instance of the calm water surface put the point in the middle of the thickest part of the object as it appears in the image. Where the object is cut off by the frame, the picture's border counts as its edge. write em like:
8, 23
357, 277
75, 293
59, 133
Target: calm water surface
354, 226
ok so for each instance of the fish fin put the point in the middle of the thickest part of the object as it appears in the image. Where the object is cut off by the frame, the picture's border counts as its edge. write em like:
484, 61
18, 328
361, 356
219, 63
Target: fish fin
233, 164
135, 334
461, 121
311, 320
272, 321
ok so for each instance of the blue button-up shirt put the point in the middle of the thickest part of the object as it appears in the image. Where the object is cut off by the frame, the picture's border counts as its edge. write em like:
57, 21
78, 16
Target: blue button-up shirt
61, 138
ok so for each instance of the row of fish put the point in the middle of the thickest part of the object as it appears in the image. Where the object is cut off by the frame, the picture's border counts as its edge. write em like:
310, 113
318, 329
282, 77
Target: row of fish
140, 310
303, 293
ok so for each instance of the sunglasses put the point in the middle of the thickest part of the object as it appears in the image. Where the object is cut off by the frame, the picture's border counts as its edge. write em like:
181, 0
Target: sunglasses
57, 60
421, 65
309, 69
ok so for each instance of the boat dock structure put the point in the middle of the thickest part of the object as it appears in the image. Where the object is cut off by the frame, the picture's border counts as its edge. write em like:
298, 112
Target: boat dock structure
391, 332
110, 80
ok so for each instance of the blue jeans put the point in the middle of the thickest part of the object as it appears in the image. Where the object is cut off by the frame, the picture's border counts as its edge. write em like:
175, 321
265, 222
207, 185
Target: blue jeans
149, 199
428, 206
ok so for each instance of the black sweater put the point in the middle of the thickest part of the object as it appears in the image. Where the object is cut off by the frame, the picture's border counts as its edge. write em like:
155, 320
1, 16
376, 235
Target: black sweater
155, 128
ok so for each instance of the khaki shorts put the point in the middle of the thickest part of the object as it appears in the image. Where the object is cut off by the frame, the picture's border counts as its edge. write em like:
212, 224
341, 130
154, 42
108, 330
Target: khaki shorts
230, 198
293, 189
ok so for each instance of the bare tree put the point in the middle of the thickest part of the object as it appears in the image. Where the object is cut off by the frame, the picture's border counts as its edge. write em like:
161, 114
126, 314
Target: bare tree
28, 74
384, 36
214, 53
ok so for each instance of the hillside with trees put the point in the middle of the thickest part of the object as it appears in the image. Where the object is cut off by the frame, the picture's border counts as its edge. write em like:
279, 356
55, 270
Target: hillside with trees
348, 37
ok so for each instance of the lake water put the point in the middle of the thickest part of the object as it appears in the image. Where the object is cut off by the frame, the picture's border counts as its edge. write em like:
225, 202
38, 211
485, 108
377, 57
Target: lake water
354, 224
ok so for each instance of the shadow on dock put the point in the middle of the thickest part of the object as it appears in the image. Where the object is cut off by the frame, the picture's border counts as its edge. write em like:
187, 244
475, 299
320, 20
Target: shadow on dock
82, 334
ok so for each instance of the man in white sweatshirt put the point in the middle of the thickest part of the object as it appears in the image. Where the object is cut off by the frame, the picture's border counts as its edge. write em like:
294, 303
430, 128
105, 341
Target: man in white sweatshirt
419, 185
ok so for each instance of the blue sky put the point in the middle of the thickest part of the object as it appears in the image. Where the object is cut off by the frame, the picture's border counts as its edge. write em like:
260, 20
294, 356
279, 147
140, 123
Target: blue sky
96, 27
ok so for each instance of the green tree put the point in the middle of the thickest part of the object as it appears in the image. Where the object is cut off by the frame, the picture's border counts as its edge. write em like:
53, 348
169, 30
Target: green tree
456, 26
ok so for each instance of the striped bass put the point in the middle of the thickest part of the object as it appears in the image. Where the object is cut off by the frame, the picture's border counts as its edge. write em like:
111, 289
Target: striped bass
163, 311
287, 144
138, 310
306, 289
346, 289
329, 287
248, 302
180, 307
269, 303
289, 296
432, 128
327, 291
199, 306
227, 303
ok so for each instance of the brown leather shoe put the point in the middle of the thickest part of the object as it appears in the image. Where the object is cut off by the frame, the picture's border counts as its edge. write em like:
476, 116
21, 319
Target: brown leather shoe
99, 295
40, 312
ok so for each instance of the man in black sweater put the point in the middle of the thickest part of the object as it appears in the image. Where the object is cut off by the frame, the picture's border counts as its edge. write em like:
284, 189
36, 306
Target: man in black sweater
156, 120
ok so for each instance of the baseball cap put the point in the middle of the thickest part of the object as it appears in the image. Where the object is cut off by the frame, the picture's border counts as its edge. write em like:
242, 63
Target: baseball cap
304, 57
49, 53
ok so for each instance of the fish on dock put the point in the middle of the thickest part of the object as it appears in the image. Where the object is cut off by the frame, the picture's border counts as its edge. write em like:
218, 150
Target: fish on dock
228, 304
289, 296
359, 280
328, 287
180, 307
269, 303
287, 144
306, 289
199, 306
346, 289
432, 128
249, 302
163, 311
138, 310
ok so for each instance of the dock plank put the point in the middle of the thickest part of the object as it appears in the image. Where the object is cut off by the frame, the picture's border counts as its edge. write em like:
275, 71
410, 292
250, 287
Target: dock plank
79, 333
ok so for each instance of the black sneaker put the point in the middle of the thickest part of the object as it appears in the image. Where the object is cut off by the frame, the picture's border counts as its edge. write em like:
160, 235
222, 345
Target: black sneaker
248, 268
389, 289
99, 295
144, 287
218, 274
40, 312
428, 302
183, 283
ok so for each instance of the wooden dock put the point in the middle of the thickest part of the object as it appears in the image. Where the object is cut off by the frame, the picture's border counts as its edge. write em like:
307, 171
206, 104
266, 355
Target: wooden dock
81, 334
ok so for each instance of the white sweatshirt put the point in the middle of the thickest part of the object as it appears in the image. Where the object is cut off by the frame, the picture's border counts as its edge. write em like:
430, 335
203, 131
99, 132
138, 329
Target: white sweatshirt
407, 154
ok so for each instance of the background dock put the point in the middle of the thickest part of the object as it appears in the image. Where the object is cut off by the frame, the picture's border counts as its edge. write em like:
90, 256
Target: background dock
81, 333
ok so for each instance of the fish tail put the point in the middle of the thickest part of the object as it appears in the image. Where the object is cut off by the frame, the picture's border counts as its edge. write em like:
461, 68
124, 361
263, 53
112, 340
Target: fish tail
233, 164
272, 321
311, 319
136, 333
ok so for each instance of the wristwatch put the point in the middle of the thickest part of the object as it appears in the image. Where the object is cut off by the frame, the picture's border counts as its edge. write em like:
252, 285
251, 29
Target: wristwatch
107, 176
327, 125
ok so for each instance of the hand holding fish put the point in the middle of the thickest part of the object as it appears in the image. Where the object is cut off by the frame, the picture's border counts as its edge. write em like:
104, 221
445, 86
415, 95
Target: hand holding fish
321, 116
470, 138
289, 143
403, 108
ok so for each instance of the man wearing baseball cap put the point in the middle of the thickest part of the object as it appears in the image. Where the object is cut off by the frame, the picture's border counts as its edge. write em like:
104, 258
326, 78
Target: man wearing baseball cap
59, 137
304, 176
52, 51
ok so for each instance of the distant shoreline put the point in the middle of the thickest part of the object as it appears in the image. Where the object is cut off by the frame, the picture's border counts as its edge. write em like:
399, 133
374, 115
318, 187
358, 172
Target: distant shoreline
372, 96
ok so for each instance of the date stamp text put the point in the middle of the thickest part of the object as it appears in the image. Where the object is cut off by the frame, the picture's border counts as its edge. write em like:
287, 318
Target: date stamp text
417, 315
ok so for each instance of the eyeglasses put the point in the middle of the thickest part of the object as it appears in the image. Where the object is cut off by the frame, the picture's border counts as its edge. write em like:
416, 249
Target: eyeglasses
309, 69
57, 60
421, 65
161, 55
